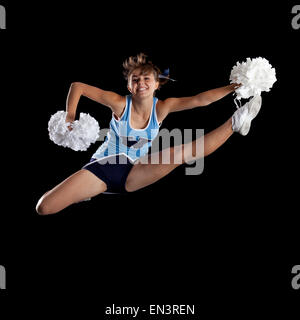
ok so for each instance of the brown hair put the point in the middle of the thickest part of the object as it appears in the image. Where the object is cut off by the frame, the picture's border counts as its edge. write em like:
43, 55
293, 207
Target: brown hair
140, 61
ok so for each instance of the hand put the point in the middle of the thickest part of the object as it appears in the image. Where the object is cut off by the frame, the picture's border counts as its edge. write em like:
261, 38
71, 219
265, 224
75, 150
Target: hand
235, 86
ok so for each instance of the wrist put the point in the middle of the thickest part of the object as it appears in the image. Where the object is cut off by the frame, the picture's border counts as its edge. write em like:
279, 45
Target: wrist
234, 86
70, 116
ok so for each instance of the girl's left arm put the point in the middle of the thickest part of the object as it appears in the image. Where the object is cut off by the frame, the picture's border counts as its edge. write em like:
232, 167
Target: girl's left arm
199, 100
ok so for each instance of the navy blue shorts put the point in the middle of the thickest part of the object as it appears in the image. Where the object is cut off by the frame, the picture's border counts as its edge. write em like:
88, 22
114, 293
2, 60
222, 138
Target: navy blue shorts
112, 170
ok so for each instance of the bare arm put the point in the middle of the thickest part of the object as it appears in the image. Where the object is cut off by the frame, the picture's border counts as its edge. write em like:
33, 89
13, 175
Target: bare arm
108, 98
210, 96
199, 100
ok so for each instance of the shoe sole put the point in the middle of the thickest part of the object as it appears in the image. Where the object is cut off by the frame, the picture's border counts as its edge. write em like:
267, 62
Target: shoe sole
253, 109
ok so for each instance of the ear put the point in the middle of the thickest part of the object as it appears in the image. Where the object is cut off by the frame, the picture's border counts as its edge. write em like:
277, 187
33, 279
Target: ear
129, 88
156, 85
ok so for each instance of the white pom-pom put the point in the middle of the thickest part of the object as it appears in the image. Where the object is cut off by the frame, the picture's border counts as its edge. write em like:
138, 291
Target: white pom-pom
84, 131
255, 75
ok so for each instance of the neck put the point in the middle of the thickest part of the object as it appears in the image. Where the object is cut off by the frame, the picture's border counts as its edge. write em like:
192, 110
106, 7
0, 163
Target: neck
142, 106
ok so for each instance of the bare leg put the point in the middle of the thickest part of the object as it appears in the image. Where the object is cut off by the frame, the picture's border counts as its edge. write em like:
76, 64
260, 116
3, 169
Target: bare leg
214, 139
142, 175
81, 185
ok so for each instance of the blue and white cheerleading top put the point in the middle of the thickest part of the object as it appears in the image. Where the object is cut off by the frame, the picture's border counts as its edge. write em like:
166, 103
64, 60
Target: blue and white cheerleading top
123, 139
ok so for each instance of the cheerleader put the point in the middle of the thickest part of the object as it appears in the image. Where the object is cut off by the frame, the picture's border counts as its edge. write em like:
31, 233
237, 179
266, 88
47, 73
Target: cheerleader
119, 166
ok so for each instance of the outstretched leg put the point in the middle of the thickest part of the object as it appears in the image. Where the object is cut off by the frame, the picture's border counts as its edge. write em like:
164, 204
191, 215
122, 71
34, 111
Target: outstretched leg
81, 185
142, 175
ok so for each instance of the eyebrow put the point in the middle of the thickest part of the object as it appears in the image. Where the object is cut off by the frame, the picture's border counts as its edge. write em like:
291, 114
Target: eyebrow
141, 74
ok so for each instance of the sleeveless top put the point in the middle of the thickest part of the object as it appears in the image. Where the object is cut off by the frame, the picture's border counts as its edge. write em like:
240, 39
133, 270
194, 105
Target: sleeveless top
123, 139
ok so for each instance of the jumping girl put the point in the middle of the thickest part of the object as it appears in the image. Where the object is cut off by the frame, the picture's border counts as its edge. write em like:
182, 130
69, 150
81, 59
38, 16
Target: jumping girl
116, 166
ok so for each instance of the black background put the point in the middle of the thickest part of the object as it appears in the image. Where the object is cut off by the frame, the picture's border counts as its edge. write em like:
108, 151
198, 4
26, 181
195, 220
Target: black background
226, 239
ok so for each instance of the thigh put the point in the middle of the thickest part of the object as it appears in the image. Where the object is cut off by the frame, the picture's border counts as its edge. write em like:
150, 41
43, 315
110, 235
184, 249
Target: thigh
142, 175
79, 186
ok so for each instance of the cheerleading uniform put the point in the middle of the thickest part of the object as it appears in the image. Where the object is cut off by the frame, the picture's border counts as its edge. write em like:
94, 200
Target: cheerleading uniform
122, 147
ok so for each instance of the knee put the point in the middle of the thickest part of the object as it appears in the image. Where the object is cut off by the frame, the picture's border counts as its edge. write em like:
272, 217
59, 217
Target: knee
43, 208
129, 188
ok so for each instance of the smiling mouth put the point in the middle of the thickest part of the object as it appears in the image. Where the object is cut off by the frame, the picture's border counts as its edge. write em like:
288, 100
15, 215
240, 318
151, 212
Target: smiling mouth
142, 89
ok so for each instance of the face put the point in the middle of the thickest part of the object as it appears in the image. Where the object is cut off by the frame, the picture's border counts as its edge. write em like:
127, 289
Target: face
142, 85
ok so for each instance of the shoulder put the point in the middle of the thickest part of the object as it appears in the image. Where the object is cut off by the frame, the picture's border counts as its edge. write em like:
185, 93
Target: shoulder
178, 104
164, 107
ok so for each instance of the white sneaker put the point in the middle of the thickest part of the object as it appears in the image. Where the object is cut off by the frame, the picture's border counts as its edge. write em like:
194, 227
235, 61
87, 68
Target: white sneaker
241, 119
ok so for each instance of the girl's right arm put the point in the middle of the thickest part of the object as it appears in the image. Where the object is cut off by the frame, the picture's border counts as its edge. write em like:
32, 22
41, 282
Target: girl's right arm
108, 98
